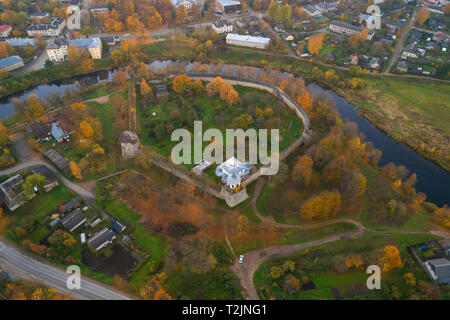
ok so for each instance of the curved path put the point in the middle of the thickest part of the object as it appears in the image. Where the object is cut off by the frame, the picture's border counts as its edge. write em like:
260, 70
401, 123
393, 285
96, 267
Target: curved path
34, 162
255, 258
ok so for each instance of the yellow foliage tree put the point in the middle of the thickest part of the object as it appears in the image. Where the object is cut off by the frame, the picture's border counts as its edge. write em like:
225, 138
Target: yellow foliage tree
75, 169
391, 259
86, 129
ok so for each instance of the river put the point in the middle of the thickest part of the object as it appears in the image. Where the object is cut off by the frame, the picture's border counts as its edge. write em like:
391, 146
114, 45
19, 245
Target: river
431, 179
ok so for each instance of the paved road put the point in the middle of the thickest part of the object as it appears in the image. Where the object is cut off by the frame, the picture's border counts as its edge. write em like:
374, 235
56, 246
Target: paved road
55, 276
33, 65
33, 162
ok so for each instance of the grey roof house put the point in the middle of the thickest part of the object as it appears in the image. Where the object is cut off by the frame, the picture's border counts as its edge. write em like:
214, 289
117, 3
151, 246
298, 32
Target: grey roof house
73, 220
439, 270
12, 193
101, 239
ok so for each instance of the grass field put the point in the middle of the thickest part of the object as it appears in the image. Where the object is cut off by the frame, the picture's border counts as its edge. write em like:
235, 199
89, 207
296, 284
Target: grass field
207, 110
319, 265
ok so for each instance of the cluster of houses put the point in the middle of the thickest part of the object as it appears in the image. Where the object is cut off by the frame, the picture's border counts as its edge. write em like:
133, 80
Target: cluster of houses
12, 193
56, 129
420, 50
433, 256
71, 216
57, 49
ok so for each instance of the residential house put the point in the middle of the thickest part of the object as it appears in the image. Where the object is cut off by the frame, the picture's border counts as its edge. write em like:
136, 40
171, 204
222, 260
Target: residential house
41, 130
5, 30
92, 45
21, 42
50, 180
11, 63
439, 270
99, 8
101, 239
59, 134
185, 3
410, 51
70, 205
12, 193
324, 6
431, 45
354, 59
38, 15
247, 41
161, 91
73, 220
62, 163
227, 6
348, 29
222, 26
288, 37
57, 49
393, 25
279, 27
52, 29
402, 66
375, 63
439, 36
311, 11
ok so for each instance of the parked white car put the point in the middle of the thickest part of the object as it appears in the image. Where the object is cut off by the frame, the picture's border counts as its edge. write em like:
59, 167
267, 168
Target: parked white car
241, 258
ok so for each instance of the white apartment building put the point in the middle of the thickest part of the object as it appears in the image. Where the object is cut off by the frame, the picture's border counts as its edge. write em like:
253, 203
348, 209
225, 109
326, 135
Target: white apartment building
248, 41
222, 26
52, 29
92, 45
57, 49
348, 29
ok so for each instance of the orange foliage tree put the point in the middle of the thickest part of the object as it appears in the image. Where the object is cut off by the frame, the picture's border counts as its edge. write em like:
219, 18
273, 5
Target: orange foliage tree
322, 205
315, 43
391, 259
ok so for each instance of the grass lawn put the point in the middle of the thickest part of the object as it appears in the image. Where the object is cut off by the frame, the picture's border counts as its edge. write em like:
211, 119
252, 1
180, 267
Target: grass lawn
290, 236
318, 264
156, 246
207, 109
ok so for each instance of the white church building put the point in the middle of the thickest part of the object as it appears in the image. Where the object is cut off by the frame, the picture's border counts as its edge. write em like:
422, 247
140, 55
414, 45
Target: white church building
232, 171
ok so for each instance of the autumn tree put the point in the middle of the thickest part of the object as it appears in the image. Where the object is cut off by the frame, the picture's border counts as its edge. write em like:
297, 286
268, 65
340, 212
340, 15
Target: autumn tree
353, 261
145, 90
86, 129
181, 83
391, 259
322, 205
213, 87
302, 170
315, 43
410, 279
422, 15
34, 180
228, 93
75, 169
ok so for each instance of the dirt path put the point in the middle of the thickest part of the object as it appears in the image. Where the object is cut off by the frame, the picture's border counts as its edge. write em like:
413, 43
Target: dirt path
254, 259
400, 44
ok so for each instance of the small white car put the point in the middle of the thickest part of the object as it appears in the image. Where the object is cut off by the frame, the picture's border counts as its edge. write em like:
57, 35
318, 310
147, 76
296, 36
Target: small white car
241, 258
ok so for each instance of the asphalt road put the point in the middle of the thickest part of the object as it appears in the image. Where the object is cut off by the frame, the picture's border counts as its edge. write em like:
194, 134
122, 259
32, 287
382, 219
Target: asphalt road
58, 278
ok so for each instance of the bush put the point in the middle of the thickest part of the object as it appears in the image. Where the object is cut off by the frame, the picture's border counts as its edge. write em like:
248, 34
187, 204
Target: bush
179, 229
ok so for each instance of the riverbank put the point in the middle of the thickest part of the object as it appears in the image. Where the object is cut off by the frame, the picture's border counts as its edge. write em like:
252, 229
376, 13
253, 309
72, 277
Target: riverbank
411, 112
